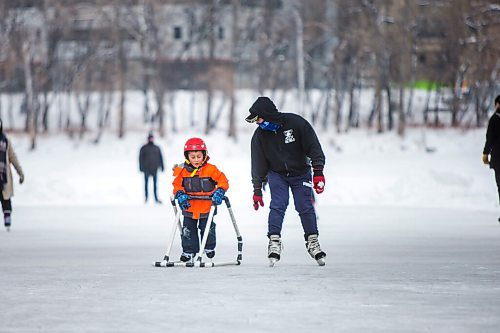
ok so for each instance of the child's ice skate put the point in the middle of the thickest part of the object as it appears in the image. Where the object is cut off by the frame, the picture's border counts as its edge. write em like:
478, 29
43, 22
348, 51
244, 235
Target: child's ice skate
187, 257
312, 246
274, 249
210, 253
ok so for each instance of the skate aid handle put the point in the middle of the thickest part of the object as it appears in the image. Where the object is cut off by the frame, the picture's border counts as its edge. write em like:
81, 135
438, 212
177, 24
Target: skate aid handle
199, 197
208, 197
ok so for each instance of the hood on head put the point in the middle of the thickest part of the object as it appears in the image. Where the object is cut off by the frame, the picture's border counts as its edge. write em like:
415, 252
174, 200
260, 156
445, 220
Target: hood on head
264, 108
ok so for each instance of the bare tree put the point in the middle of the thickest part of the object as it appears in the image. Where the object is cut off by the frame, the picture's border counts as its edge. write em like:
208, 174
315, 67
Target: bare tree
483, 22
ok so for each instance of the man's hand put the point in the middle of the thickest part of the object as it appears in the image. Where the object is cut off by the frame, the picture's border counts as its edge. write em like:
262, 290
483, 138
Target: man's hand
318, 179
319, 184
485, 159
21, 179
257, 197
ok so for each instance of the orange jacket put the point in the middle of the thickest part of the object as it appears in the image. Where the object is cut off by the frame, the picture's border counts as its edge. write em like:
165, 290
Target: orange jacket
203, 182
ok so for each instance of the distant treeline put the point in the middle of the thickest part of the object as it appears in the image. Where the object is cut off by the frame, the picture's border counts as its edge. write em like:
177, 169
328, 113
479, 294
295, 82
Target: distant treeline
333, 50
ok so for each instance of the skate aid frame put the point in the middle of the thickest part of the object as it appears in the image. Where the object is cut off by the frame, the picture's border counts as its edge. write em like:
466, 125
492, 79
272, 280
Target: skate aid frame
198, 258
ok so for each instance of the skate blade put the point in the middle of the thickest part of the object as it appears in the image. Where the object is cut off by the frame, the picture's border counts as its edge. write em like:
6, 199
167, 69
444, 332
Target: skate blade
272, 261
8, 229
321, 262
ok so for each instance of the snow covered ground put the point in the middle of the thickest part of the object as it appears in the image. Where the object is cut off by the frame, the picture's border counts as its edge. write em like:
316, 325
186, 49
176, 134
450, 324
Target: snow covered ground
410, 228
363, 168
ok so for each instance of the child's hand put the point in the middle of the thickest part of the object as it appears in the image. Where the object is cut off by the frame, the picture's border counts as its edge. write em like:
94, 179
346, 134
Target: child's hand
182, 199
218, 196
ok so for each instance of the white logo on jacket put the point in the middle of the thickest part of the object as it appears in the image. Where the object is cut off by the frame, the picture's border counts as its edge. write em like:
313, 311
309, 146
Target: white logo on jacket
289, 136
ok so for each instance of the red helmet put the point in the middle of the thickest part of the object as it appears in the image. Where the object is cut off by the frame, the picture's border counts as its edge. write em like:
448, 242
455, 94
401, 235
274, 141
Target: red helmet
195, 144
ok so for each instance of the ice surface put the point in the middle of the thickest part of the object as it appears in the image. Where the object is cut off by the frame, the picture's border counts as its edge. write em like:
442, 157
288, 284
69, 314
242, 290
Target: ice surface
389, 269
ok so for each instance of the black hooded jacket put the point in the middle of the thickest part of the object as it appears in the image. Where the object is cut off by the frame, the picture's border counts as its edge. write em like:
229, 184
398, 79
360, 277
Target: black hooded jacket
150, 158
286, 151
492, 145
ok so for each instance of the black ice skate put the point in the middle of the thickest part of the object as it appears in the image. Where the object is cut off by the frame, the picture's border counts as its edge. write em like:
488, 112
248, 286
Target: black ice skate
7, 221
312, 246
274, 249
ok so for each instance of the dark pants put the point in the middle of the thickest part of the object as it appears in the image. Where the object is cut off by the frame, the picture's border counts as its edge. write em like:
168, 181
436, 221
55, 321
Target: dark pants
6, 204
190, 239
302, 198
146, 181
497, 178
7, 209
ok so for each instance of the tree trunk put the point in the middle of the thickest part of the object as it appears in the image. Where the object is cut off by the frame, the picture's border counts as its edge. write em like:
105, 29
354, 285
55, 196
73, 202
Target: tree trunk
401, 113
378, 106
300, 59
209, 109
30, 95
160, 96
390, 110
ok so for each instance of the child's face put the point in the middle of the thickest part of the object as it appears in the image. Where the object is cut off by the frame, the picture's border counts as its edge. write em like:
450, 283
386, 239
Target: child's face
195, 158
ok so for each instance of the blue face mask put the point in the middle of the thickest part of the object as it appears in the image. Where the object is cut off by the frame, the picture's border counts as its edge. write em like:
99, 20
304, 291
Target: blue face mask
267, 126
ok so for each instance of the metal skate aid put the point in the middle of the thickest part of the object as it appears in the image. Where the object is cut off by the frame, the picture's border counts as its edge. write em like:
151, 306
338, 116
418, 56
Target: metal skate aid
176, 225
198, 260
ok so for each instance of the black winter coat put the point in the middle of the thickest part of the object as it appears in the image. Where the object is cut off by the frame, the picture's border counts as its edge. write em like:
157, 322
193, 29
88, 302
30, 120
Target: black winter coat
288, 151
492, 145
150, 158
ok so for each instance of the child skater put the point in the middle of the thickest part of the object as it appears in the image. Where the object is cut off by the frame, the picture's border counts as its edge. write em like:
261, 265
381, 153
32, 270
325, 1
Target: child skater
197, 177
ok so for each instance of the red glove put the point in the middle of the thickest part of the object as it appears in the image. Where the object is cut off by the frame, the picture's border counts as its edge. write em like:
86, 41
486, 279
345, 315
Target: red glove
319, 184
257, 200
257, 197
318, 179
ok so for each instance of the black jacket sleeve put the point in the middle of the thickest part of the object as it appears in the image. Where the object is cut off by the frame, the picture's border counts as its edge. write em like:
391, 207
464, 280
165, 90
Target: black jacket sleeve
491, 134
141, 159
311, 145
260, 166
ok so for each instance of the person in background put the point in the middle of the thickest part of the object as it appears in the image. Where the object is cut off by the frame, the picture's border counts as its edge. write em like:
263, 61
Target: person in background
7, 157
150, 160
281, 148
491, 151
197, 177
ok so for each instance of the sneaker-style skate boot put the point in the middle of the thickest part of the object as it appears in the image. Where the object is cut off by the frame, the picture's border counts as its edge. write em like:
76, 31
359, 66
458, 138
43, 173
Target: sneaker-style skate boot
187, 257
312, 246
210, 253
274, 249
